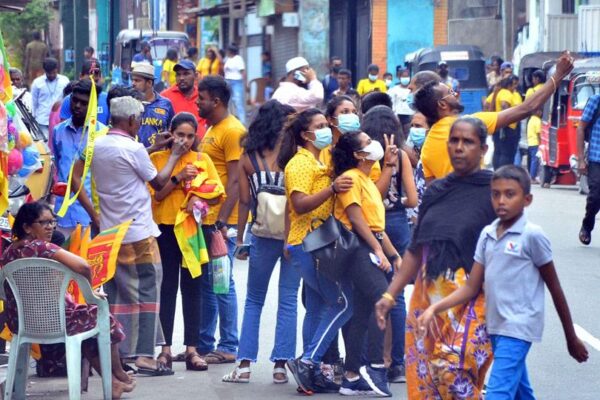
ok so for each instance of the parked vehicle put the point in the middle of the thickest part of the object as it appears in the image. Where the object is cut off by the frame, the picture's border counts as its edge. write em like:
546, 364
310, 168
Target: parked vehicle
465, 63
562, 112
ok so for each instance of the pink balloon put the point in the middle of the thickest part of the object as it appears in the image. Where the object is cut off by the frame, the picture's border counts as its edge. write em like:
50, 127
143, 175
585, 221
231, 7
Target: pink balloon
15, 161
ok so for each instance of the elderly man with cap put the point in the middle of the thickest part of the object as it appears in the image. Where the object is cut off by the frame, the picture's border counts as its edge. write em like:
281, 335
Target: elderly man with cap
184, 93
158, 110
301, 88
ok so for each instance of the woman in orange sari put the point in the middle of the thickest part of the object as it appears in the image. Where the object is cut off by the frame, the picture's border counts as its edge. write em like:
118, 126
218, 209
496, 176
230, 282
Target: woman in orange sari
452, 361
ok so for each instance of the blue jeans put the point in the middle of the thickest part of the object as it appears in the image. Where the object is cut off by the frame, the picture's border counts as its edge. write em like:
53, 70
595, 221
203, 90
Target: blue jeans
221, 306
396, 227
237, 98
509, 380
328, 306
264, 254
533, 161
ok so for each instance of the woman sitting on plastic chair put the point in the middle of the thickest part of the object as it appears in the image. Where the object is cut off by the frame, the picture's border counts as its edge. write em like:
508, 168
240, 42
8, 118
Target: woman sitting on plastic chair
32, 231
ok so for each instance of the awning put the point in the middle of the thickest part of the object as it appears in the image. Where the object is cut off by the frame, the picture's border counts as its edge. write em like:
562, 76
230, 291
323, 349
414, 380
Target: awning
220, 9
13, 5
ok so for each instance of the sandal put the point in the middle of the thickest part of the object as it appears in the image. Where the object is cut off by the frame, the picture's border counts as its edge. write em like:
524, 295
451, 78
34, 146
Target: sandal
168, 360
234, 376
281, 371
192, 365
179, 357
585, 236
219, 357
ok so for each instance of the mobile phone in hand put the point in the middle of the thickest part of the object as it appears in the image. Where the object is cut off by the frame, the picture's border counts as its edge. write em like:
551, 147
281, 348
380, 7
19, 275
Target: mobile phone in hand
242, 251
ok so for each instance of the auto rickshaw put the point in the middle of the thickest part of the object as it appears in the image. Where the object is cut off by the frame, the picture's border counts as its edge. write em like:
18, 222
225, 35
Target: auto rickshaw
129, 42
465, 63
560, 118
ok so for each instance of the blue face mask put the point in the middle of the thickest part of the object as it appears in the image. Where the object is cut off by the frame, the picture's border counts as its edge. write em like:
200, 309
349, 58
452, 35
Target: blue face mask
404, 81
417, 136
410, 98
323, 138
348, 122
372, 77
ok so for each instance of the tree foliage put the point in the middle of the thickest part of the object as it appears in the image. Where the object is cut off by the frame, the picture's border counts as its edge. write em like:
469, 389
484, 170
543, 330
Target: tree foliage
17, 27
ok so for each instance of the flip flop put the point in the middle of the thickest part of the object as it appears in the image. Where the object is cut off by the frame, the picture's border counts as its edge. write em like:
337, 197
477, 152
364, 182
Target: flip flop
129, 369
219, 357
585, 236
179, 357
234, 376
161, 371
282, 371
169, 363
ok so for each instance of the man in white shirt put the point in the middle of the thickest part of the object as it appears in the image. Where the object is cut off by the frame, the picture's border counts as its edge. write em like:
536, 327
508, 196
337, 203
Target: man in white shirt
301, 88
45, 91
235, 70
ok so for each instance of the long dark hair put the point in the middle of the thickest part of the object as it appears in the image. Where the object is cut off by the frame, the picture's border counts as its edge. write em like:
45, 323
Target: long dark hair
292, 135
334, 103
265, 130
343, 152
184, 118
27, 215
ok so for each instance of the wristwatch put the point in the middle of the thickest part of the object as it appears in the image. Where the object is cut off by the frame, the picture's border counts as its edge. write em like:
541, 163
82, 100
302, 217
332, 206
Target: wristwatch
174, 180
220, 225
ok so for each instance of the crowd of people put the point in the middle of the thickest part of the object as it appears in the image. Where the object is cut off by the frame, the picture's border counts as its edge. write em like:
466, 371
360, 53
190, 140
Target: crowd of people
395, 166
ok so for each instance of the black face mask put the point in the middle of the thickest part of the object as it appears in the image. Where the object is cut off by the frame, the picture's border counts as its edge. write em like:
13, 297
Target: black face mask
335, 70
443, 73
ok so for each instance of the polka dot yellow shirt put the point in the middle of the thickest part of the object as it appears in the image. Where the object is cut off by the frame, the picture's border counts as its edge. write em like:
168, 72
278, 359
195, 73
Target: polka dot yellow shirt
305, 174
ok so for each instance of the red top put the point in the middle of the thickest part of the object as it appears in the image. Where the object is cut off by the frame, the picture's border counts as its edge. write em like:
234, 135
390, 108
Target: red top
181, 103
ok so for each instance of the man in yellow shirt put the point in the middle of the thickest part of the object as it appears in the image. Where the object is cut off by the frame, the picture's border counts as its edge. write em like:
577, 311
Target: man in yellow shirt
441, 107
371, 83
222, 144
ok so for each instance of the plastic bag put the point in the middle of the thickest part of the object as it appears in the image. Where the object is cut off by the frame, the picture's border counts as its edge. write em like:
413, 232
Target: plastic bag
221, 274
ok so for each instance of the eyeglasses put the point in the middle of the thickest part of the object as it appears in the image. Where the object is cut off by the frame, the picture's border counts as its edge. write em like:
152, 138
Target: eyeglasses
451, 92
46, 223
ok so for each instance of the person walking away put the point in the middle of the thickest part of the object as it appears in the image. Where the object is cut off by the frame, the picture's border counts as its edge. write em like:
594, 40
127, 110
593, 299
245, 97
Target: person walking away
184, 94
399, 95
158, 110
235, 75
514, 258
310, 192
143, 56
344, 79
121, 168
167, 76
192, 54
36, 52
46, 90
454, 211
371, 82
534, 129
222, 144
210, 64
330, 82
590, 165
68, 141
301, 89
89, 68
165, 205
258, 167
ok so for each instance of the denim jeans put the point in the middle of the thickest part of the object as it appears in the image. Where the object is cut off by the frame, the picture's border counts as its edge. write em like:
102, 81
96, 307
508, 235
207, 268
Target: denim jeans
221, 306
328, 306
237, 98
532, 161
509, 379
396, 227
264, 254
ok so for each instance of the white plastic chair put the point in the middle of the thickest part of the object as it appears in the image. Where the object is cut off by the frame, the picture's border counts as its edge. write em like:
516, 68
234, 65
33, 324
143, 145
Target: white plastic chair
39, 286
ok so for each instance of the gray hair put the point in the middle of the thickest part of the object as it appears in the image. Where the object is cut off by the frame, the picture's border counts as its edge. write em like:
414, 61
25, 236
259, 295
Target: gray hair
125, 107
13, 70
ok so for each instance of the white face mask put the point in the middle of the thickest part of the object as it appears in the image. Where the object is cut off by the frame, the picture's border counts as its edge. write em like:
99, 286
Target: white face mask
374, 150
372, 78
299, 76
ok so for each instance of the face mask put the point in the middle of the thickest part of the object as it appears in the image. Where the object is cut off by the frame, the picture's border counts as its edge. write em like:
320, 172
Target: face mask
372, 78
410, 99
388, 83
335, 70
417, 136
404, 81
323, 138
299, 76
348, 122
374, 150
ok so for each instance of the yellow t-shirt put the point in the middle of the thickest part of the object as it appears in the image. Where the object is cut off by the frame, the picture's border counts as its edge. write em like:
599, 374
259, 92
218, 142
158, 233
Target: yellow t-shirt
517, 99
365, 194
222, 144
434, 153
365, 86
534, 127
165, 211
532, 90
506, 96
205, 68
305, 174
326, 158
168, 66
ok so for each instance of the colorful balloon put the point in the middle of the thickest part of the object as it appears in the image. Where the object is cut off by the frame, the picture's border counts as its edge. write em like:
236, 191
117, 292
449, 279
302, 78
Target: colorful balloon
15, 161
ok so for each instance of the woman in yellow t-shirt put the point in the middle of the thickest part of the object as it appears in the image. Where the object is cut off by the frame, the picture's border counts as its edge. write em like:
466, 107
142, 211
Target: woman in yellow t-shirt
165, 205
210, 64
361, 209
506, 140
168, 71
538, 78
310, 192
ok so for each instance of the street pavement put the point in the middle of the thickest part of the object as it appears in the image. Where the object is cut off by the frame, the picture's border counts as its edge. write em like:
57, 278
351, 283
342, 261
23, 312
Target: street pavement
553, 374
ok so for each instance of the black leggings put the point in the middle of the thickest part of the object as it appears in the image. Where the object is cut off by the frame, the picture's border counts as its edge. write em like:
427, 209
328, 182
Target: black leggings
171, 257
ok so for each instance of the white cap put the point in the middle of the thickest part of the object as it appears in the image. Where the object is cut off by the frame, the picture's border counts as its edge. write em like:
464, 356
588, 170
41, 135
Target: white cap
143, 69
295, 63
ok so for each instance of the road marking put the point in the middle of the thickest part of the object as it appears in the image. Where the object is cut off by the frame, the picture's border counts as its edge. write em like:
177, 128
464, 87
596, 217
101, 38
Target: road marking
587, 337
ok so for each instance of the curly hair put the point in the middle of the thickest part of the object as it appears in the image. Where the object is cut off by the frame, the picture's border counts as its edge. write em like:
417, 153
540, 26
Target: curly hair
27, 215
292, 134
334, 103
426, 101
343, 152
265, 130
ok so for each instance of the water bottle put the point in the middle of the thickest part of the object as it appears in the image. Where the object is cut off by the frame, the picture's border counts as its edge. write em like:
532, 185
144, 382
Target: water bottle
221, 274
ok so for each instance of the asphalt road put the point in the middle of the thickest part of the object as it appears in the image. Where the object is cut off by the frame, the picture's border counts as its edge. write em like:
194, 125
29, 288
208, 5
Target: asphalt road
554, 375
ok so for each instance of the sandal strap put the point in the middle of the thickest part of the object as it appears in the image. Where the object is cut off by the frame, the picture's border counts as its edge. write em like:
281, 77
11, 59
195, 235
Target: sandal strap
244, 370
279, 371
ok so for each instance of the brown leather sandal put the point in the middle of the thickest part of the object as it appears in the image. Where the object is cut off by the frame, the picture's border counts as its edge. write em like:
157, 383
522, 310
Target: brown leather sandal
195, 365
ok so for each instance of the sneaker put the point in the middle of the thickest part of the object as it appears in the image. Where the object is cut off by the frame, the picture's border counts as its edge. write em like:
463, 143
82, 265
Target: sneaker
359, 387
324, 384
377, 380
303, 374
396, 374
